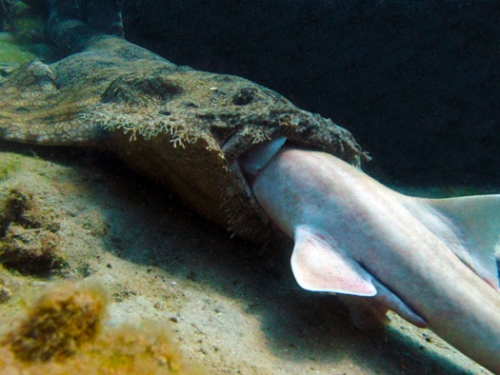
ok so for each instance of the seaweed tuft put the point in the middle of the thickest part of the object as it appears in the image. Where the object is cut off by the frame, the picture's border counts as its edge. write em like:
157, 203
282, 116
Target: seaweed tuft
61, 322
29, 242
63, 333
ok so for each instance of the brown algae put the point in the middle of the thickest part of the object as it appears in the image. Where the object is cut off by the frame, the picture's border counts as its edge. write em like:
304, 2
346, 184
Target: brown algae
63, 333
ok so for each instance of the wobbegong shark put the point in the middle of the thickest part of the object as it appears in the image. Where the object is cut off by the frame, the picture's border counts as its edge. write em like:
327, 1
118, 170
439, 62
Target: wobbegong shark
429, 260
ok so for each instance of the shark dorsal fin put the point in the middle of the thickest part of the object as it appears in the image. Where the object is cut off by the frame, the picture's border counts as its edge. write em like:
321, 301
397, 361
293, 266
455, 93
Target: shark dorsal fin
476, 222
317, 266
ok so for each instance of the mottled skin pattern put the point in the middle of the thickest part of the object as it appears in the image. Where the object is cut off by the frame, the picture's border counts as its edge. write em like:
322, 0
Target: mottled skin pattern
180, 127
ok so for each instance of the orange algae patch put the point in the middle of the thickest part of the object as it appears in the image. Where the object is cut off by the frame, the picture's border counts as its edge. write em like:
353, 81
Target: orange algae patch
63, 334
59, 324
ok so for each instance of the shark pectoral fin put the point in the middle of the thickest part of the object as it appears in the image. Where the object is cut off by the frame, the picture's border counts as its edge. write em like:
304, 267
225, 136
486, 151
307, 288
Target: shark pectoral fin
369, 313
476, 219
318, 267
258, 157
387, 300
364, 314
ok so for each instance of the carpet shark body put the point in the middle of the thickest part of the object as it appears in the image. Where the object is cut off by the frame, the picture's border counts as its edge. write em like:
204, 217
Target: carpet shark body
429, 260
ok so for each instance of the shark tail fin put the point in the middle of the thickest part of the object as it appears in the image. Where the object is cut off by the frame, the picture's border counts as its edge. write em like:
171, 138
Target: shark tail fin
317, 266
476, 222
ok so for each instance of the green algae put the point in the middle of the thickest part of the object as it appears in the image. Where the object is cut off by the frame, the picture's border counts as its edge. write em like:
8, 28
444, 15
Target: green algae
9, 165
12, 53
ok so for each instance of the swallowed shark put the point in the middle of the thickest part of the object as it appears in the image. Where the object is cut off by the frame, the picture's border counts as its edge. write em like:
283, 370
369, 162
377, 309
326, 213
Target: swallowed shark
429, 260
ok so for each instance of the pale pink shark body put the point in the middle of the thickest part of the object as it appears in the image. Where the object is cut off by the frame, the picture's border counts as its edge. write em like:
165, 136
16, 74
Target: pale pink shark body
431, 261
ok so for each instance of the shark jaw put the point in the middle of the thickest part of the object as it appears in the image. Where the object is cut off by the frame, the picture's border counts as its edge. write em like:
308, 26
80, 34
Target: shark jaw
431, 261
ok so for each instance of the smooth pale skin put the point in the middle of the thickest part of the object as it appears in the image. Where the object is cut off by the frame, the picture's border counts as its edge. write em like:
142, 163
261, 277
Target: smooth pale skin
431, 261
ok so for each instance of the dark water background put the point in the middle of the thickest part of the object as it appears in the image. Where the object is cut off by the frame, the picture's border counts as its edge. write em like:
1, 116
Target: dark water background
417, 83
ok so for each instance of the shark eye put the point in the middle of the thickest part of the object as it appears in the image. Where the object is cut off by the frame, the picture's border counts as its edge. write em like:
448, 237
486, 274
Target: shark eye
245, 96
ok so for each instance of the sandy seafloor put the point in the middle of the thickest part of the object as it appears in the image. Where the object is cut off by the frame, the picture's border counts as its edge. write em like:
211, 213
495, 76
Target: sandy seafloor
234, 307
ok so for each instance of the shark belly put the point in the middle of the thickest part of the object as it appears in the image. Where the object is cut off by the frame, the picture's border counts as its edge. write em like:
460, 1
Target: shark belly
453, 300
316, 198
